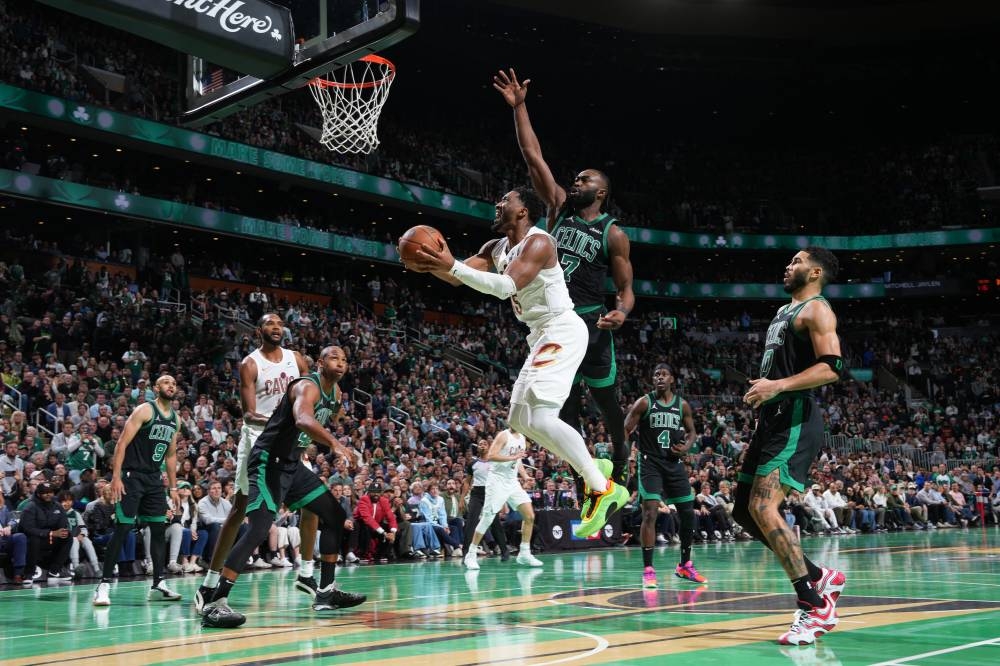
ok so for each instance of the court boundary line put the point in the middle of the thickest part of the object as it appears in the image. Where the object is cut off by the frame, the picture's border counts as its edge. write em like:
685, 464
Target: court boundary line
957, 648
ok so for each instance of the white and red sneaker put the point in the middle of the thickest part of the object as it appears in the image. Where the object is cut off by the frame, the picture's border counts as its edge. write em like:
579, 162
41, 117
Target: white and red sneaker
810, 625
830, 583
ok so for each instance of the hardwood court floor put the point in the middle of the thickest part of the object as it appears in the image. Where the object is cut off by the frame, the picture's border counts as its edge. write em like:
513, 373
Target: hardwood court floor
913, 598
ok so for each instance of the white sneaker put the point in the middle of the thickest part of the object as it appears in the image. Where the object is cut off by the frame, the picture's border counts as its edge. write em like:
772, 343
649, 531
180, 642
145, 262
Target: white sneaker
527, 559
457, 552
147, 566
162, 593
351, 557
470, 561
174, 568
661, 539
717, 534
286, 563
259, 563
102, 594
276, 561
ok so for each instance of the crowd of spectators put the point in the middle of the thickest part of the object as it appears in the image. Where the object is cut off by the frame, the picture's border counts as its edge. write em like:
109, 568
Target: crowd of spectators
81, 348
920, 184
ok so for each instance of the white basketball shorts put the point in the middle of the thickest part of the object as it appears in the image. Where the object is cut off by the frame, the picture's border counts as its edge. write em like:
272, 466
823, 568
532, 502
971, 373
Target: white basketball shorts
557, 349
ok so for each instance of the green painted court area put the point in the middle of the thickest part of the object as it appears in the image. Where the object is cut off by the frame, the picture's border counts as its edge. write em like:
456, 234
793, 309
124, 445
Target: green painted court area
914, 598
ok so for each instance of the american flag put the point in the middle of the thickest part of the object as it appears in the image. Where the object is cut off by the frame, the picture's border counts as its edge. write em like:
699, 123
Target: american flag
212, 80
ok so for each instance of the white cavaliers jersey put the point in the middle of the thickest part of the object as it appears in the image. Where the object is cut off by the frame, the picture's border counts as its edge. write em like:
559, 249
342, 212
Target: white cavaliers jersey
273, 379
507, 470
544, 297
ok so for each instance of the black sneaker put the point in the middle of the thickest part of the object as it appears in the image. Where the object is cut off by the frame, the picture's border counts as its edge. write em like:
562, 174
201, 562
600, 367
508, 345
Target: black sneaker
59, 576
505, 554
307, 585
203, 597
333, 599
218, 615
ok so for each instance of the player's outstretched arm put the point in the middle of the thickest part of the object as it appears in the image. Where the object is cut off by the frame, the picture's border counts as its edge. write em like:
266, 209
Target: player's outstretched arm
438, 262
621, 274
514, 93
635, 413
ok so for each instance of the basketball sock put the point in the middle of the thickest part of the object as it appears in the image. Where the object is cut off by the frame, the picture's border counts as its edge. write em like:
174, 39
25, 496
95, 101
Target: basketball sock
306, 568
223, 590
685, 515
525, 548
542, 424
815, 572
211, 579
327, 571
647, 556
808, 599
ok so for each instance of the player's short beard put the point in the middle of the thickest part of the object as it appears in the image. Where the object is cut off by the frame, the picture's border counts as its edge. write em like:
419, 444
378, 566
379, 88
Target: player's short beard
796, 281
581, 199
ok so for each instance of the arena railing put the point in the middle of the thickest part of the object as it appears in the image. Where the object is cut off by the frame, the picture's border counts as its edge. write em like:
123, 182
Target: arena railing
49, 415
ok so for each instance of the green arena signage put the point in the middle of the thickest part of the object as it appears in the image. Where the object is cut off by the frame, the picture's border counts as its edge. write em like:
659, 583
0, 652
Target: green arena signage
123, 204
196, 143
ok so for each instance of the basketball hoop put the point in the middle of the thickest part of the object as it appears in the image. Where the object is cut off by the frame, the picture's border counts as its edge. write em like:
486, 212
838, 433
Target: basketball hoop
351, 100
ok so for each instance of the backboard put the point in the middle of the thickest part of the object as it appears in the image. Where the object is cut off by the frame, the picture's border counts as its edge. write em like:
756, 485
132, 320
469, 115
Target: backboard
328, 34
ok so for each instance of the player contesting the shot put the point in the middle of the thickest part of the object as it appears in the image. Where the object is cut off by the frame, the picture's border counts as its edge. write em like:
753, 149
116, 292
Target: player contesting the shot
528, 273
264, 375
801, 352
590, 245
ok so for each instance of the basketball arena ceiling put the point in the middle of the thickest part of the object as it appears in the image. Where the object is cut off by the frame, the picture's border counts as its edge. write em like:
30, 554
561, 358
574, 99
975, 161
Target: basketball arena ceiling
823, 20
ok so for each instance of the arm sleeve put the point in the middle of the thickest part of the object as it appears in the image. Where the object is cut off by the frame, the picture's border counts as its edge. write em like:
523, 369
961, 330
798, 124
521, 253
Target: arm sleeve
501, 286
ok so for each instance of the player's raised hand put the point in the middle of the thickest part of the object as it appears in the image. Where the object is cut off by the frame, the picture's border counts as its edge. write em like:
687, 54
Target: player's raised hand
514, 92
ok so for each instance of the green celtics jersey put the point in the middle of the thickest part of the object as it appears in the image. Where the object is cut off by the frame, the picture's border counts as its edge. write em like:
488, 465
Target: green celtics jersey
281, 437
85, 457
661, 426
583, 254
149, 446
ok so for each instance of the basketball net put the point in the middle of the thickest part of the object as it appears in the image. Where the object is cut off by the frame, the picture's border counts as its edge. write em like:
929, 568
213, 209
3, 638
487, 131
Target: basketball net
351, 100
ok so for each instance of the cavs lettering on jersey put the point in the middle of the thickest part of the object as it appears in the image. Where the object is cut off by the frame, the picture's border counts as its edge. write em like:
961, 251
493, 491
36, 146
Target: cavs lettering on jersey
146, 451
273, 379
787, 352
661, 426
507, 470
281, 437
583, 255
545, 296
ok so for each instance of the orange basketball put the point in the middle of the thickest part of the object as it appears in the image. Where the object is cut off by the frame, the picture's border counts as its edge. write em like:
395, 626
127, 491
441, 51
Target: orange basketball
416, 236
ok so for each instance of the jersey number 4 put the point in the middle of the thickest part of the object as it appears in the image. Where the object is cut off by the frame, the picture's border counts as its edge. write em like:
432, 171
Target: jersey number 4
569, 264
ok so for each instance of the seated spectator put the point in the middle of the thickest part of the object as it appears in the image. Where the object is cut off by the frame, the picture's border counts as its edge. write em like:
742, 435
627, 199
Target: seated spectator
15, 544
425, 540
80, 540
376, 523
212, 512
47, 529
433, 511
100, 520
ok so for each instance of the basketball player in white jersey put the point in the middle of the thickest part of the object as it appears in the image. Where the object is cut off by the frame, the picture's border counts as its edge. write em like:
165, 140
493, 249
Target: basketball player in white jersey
503, 487
264, 377
529, 274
